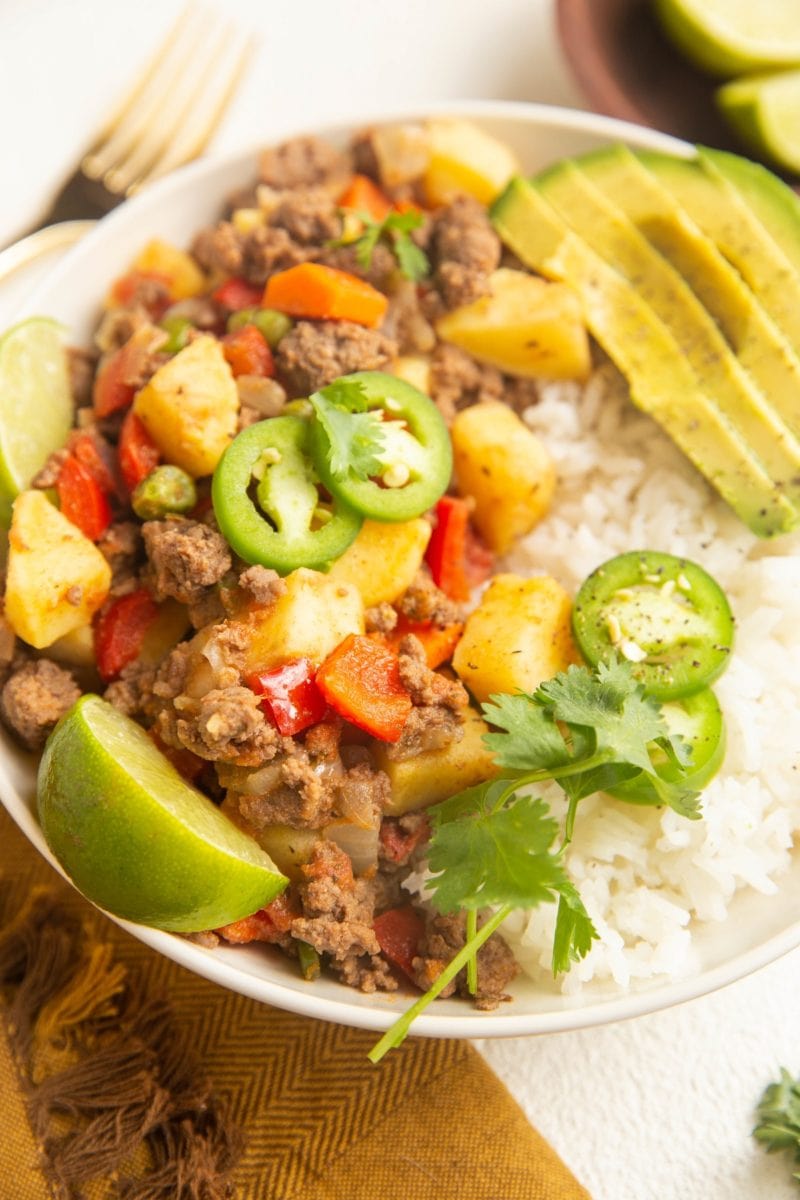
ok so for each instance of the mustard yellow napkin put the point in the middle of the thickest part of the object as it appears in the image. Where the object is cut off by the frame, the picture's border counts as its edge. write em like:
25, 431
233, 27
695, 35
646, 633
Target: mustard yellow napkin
123, 1075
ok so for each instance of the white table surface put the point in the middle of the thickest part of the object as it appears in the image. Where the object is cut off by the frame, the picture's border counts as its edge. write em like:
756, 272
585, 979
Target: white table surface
659, 1108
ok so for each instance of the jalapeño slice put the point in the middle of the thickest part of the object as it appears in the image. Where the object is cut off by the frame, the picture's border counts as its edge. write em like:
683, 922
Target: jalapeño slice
665, 615
268, 504
698, 720
411, 459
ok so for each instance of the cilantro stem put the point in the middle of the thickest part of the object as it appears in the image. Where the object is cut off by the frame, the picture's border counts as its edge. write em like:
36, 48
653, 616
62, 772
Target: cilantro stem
472, 963
398, 1032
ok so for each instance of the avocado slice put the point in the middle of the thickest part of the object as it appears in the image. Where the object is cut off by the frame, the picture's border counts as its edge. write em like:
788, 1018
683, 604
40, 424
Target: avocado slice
764, 247
662, 382
605, 228
755, 340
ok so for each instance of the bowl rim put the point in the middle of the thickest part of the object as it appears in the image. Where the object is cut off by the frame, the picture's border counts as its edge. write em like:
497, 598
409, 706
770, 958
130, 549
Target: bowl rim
299, 998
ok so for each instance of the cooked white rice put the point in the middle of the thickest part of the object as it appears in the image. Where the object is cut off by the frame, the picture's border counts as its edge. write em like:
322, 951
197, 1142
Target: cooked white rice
646, 875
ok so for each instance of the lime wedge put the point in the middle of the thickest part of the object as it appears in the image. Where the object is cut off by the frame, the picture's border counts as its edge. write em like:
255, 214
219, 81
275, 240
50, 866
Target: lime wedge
135, 837
764, 110
732, 37
36, 409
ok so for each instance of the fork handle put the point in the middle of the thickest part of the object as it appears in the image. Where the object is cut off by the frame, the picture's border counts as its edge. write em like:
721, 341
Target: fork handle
79, 198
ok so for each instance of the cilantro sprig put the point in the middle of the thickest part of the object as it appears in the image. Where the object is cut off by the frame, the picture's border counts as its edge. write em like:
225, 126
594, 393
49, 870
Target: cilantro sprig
778, 1126
394, 230
355, 435
493, 845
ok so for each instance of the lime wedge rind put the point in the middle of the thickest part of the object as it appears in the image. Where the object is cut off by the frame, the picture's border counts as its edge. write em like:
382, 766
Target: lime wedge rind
36, 407
733, 37
135, 838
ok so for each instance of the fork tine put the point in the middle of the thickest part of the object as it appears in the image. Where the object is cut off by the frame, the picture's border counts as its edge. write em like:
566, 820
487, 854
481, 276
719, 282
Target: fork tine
170, 112
96, 161
193, 137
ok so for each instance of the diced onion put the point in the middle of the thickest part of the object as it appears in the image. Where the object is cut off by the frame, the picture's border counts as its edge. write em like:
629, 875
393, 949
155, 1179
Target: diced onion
361, 845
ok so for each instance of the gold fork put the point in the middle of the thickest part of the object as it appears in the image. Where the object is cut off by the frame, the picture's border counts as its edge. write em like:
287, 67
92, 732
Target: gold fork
165, 120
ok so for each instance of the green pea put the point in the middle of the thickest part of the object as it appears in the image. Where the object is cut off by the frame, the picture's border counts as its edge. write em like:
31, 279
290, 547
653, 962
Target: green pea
271, 324
165, 490
178, 329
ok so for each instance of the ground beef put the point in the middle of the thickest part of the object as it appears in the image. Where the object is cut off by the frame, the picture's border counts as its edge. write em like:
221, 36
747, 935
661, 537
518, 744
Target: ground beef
464, 250
207, 609
427, 727
337, 919
47, 476
81, 365
458, 381
382, 618
301, 791
262, 585
379, 271
267, 249
227, 725
35, 697
219, 248
424, 602
132, 693
314, 353
301, 162
185, 558
309, 215
427, 687
444, 936
8, 645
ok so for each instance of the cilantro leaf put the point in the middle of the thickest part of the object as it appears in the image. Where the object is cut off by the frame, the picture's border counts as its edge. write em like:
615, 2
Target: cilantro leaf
778, 1110
354, 436
575, 931
395, 230
532, 739
495, 856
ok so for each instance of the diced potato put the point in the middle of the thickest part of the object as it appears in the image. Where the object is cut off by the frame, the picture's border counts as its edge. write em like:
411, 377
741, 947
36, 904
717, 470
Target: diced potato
189, 407
74, 649
185, 277
164, 633
519, 635
506, 470
434, 775
414, 369
287, 847
527, 326
245, 220
57, 578
309, 620
463, 158
383, 559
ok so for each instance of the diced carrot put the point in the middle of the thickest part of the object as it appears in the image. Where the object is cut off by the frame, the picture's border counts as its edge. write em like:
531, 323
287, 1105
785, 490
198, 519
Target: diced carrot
363, 196
438, 641
361, 681
267, 925
323, 293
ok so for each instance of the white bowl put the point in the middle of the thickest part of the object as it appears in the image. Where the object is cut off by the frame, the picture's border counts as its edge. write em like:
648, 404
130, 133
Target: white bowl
758, 929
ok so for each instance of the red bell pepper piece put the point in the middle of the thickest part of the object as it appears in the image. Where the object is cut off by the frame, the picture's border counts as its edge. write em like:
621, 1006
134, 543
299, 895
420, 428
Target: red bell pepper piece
269, 924
361, 682
248, 353
111, 393
290, 696
399, 932
97, 457
236, 294
120, 631
137, 452
457, 558
82, 500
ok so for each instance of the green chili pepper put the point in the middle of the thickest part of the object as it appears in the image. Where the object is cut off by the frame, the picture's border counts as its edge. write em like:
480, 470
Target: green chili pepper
165, 490
380, 445
309, 960
270, 323
178, 329
267, 501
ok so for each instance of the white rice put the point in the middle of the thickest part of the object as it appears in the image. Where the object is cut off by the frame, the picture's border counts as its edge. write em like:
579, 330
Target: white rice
646, 875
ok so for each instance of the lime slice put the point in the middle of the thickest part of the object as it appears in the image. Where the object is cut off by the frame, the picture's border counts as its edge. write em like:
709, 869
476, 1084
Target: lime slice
732, 37
765, 111
36, 409
135, 837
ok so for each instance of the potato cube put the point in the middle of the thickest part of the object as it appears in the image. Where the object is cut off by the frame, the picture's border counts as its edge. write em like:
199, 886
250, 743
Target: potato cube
57, 579
309, 620
383, 559
506, 470
414, 369
519, 635
463, 158
189, 407
526, 326
435, 775
185, 277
